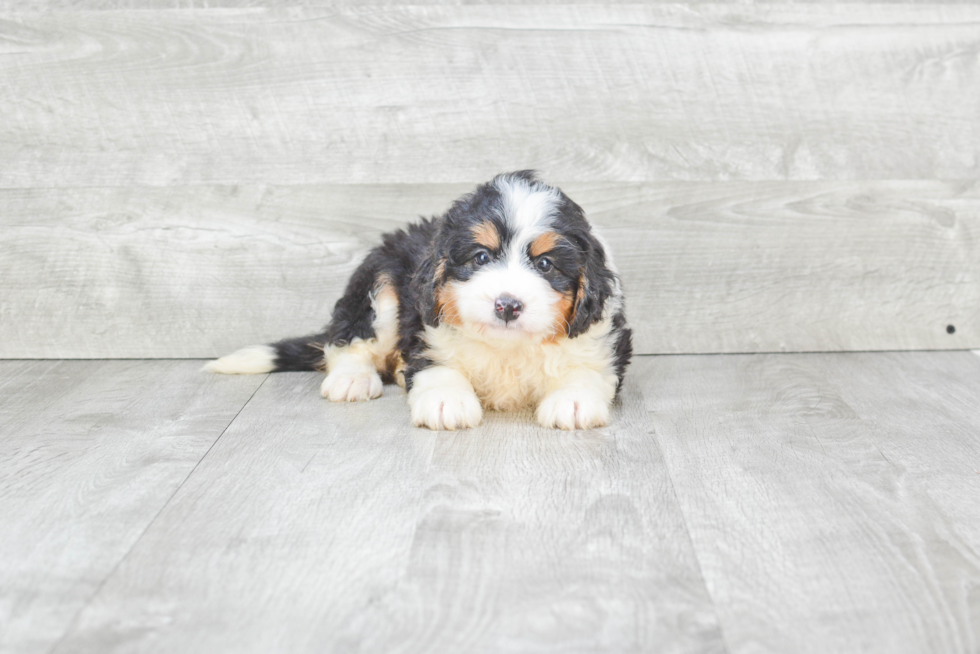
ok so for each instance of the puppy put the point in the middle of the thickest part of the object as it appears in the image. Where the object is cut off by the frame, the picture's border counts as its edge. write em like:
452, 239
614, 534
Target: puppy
508, 300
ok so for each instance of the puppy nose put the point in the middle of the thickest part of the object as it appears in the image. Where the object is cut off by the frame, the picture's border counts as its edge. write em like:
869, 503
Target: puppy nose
507, 307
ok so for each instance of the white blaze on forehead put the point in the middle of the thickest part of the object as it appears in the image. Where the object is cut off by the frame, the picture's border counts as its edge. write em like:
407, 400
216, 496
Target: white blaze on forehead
527, 206
529, 211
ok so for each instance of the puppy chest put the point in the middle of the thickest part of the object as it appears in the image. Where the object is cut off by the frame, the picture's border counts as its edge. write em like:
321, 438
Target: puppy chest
503, 377
509, 379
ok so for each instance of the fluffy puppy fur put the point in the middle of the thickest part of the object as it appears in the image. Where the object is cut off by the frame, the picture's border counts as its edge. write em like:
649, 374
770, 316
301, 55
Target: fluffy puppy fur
507, 300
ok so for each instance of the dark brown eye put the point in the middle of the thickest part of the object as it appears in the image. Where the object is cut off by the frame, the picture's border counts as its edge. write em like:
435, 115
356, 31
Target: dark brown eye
481, 258
544, 265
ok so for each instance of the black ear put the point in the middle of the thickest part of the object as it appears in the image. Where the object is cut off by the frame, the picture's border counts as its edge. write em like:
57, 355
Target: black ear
428, 282
425, 284
595, 285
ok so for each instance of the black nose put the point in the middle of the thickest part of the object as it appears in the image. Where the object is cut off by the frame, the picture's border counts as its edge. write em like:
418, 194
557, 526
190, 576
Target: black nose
507, 307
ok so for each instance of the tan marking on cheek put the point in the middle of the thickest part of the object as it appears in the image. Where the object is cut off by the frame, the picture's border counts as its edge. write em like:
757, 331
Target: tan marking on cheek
579, 297
446, 305
544, 243
440, 270
486, 235
563, 310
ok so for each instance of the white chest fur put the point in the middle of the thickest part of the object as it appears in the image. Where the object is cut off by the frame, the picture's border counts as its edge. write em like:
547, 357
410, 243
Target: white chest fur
511, 374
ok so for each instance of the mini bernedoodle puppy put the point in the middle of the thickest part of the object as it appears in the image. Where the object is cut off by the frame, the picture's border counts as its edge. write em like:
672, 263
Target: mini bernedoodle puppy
508, 300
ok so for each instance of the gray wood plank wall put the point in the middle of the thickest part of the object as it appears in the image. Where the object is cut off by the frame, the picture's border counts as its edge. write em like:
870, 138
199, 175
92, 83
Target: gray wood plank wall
143, 5
456, 94
722, 267
178, 182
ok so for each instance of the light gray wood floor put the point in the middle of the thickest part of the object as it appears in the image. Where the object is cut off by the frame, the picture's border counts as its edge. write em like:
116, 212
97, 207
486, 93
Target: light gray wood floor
738, 503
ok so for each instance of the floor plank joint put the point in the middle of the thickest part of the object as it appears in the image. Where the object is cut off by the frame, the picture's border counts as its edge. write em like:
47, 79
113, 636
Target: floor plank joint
782, 502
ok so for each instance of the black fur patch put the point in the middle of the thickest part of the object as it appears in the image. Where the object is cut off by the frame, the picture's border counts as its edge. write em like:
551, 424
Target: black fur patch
623, 347
303, 353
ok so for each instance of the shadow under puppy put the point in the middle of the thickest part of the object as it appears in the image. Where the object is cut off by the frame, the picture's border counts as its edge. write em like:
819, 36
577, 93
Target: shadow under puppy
507, 300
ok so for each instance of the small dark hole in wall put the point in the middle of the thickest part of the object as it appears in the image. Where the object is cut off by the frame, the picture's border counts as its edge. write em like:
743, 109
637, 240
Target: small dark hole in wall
950, 329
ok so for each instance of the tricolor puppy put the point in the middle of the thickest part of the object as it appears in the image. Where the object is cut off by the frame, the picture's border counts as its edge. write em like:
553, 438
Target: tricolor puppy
508, 300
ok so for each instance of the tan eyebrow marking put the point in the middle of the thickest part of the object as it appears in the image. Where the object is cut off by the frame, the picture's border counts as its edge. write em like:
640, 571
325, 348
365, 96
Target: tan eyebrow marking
544, 243
486, 235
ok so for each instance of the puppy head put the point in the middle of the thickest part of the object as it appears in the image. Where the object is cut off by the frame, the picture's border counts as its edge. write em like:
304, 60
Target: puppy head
517, 259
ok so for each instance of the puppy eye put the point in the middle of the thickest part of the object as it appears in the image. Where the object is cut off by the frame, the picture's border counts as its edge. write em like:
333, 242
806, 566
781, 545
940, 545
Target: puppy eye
544, 265
481, 258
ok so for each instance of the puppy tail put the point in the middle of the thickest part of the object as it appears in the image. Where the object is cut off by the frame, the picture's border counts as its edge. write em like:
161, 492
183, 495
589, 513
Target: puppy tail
303, 353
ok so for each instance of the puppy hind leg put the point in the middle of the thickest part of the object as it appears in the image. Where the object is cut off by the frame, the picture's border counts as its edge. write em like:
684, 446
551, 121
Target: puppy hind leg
351, 373
363, 337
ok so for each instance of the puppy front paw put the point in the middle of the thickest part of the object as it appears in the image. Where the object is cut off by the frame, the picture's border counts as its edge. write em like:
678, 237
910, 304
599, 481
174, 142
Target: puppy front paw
446, 407
573, 408
349, 386
443, 398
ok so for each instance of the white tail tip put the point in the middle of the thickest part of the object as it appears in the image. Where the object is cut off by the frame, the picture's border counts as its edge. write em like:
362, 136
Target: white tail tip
252, 360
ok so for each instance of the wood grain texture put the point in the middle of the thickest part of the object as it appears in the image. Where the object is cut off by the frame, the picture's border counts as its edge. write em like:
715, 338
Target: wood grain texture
300, 518
783, 503
830, 498
426, 94
321, 527
196, 5
735, 267
90, 452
